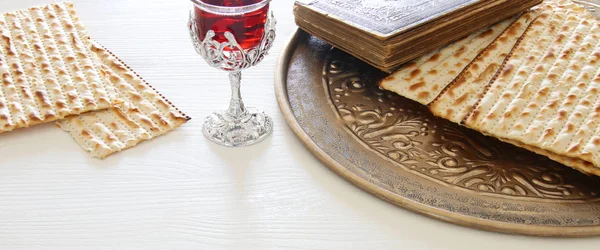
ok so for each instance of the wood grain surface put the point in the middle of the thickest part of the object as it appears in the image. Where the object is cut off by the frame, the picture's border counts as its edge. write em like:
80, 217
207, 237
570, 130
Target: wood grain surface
182, 192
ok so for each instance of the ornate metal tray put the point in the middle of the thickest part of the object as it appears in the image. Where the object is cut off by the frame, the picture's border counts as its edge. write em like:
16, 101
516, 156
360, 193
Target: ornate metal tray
395, 149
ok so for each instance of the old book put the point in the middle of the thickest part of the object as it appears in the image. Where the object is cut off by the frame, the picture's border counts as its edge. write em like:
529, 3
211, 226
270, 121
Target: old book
387, 34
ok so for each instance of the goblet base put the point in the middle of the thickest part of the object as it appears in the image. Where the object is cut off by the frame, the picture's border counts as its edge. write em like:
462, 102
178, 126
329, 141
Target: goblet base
225, 130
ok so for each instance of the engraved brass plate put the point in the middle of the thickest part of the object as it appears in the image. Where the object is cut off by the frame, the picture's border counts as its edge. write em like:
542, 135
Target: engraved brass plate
396, 149
408, 135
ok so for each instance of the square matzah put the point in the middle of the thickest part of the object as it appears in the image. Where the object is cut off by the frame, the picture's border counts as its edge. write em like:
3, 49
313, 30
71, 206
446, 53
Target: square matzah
145, 113
47, 71
536, 86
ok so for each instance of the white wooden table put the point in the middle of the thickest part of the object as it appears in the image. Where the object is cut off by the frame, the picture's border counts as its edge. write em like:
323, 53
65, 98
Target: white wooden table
182, 192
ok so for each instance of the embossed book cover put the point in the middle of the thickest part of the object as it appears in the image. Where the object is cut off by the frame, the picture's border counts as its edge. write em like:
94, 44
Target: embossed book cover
388, 33
386, 18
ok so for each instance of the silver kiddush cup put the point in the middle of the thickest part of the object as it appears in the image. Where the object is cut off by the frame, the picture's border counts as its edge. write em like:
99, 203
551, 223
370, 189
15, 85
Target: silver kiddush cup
238, 125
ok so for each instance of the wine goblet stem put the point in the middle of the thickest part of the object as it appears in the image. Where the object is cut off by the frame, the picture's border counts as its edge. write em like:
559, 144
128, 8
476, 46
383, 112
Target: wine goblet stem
238, 125
237, 110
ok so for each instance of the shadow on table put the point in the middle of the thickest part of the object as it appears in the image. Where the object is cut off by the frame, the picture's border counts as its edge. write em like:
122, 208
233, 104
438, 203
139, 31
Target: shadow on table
238, 159
49, 142
27, 142
404, 222
238, 164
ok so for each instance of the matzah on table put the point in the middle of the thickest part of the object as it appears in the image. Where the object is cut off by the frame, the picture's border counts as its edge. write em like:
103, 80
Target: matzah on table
144, 115
51, 70
47, 71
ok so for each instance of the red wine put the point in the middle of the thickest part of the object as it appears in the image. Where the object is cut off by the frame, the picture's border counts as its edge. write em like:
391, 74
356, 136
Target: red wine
230, 3
248, 28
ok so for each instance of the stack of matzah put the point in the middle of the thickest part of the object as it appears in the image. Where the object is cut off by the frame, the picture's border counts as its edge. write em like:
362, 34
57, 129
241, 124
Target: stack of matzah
537, 85
51, 71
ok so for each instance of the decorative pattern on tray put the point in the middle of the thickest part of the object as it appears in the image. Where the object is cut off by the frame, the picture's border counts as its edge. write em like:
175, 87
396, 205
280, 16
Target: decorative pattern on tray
401, 130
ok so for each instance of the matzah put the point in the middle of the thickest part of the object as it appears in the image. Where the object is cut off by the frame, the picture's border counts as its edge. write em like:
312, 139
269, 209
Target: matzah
47, 71
539, 90
546, 96
458, 98
144, 115
573, 162
423, 79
